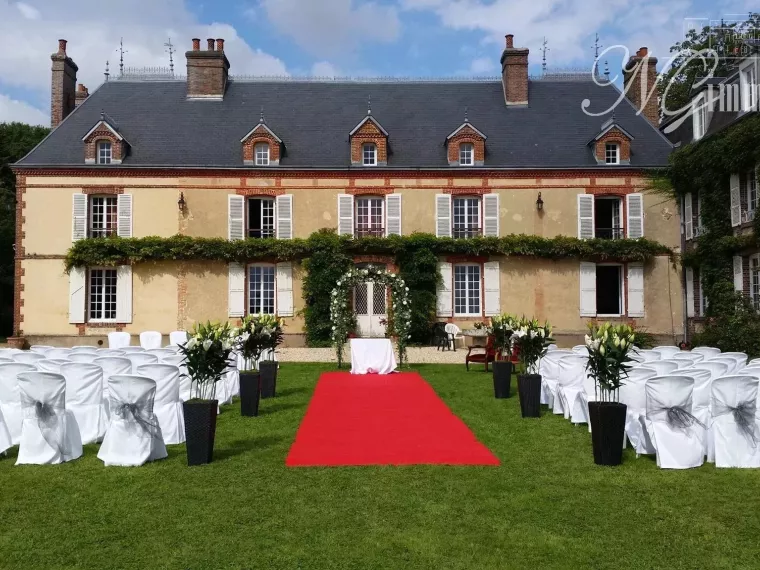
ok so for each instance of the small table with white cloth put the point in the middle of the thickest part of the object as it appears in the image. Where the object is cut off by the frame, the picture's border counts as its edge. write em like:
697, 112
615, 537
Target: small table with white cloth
372, 356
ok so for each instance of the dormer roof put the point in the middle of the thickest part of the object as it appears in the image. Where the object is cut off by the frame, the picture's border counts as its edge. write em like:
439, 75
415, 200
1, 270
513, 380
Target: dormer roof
369, 118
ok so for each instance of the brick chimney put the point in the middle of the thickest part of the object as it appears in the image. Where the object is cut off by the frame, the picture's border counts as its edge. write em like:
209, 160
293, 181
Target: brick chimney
514, 73
82, 94
207, 70
63, 85
639, 78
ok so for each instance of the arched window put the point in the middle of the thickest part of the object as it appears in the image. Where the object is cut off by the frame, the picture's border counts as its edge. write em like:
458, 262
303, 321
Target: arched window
261, 154
369, 154
105, 153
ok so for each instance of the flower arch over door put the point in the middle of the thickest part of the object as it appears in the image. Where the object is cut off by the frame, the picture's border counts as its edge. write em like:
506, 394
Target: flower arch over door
399, 313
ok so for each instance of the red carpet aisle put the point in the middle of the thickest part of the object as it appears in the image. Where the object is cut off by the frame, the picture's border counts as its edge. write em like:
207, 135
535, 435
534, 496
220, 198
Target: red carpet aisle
395, 419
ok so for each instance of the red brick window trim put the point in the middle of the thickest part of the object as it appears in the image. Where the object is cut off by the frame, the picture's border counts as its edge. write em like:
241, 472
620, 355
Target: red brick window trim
254, 192
369, 191
466, 191
103, 190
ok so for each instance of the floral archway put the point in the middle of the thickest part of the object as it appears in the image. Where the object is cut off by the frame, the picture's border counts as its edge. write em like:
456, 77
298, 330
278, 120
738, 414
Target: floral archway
399, 313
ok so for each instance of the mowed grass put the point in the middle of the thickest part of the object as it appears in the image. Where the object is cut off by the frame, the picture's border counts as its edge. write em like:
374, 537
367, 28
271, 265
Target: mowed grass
546, 506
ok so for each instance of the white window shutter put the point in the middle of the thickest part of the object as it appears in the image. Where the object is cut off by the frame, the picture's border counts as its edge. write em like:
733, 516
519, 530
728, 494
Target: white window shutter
236, 288
124, 294
491, 280
393, 215
699, 209
585, 216
79, 217
689, 292
635, 209
588, 289
285, 289
124, 209
235, 217
285, 216
688, 213
738, 274
442, 215
444, 299
702, 300
491, 215
736, 201
635, 289
345, 214
77, 294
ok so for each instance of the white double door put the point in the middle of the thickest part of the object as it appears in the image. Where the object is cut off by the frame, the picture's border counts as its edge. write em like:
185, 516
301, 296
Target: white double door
370, 306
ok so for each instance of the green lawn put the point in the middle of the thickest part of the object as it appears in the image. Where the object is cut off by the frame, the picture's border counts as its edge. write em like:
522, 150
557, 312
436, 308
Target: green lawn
546, 506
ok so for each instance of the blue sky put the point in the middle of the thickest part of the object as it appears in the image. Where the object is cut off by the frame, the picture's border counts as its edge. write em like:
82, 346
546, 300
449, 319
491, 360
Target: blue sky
328, 37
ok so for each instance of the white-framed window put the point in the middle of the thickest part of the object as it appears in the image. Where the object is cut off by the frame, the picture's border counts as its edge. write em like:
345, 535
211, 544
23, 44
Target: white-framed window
261, 154
261, 218
699, 116
466, 217
467, 290
749, 87
612, 153
261, 289
751, 182
105, 153
610, 298
102, 294
754, 280
103, 216
369, 216
369, 154
466, 154
608, 223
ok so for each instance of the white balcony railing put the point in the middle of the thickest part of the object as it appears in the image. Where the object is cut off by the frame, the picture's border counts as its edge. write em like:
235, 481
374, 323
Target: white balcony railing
748, 216
699, 231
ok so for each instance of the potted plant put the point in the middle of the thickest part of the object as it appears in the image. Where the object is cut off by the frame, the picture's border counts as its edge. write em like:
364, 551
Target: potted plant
206, 356
531, 340
257, 334
502, 327
271, 332
608, 357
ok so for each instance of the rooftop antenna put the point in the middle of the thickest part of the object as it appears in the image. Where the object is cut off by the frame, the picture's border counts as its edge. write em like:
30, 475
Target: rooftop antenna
544, 49
121, 56
170, 49
369, 104
596, 47
107, 74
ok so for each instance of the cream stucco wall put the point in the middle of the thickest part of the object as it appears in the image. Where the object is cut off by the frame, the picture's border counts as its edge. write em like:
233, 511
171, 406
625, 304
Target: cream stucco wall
46, 298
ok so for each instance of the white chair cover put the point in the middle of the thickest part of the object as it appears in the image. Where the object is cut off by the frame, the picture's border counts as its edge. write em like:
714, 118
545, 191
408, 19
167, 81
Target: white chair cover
28, 357
161, 353
633, 395
5, 436
185, 384
680, 362
731, 363
84, 397
132, 349
51, 365
662, 367
10, 400
150, 339
58, 353
140, 358
49, 433
6, 359
232, 377
133, 436
572, 373
650, 355
551, 347
119, 339
667, 351
751, 371
754, 361
112, 366
580, 349
692, 357
177, 337
41, 348
80, 349
707, 351
106, 352
83, 357
734, 426
167, 405
677, 438
740, 357
716, 369
548, 368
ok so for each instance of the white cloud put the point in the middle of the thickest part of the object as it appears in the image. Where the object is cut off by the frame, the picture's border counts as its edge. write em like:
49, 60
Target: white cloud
29, 12
12, 110
330, 28
325, 69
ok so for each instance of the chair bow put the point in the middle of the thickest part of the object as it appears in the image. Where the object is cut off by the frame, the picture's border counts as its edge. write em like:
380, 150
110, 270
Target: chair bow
744, 416
678, 416
142, 413
51, 425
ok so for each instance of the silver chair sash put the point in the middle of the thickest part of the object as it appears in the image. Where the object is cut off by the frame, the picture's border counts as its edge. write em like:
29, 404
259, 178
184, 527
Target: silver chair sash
744, 416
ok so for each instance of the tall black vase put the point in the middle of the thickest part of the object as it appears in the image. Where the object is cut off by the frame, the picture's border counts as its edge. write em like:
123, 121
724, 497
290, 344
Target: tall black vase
529, 389
502, 378
607, 431
268, 371
200, 430
250, 392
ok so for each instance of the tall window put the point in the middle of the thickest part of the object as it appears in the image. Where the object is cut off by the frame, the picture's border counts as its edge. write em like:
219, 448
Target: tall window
466, 154
261, 218
749, 88
754, 276
609, 290
467, 290
369, 217
261, 289
699, 114
261, 151
369, 154
751, 191
612, 153
104, 152
466, 217
103, 216
102, 294
607, 221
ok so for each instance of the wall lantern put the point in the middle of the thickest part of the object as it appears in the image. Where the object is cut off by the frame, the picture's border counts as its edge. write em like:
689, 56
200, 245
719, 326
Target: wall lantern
181, 202
539, 203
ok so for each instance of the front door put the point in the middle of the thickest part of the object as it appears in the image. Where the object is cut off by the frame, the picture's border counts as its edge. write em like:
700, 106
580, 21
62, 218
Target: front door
370, 307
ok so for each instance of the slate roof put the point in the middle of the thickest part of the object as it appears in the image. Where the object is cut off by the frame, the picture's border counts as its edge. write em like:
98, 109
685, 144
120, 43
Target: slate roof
314, 120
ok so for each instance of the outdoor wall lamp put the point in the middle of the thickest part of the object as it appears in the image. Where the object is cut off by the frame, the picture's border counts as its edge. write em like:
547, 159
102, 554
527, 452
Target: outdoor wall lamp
181, 202
539, 203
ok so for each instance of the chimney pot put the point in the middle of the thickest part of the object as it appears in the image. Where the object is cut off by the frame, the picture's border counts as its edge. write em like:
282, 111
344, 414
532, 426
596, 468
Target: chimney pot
196, 44
643, 51
62, 46
514, 73
210, 44
219, 44
510, 40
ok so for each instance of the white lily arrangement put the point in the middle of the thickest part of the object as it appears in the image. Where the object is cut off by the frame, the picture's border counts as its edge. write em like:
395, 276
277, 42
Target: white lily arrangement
207, 354
609, 350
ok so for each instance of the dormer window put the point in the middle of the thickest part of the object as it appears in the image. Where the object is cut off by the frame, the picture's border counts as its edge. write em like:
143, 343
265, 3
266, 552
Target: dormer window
749, 87
369, 143
104, 144
261, 146
369, 154
612, 153
261, 151
466, 154
612, 145
104, 152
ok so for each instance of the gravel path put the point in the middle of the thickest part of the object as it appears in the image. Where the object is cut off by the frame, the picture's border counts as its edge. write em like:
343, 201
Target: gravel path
417, 355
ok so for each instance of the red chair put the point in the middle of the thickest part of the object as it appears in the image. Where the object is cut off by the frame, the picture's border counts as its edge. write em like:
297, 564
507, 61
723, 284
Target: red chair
488, 354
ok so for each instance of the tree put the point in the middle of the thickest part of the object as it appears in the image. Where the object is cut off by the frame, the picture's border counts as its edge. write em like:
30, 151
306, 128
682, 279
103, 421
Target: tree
727, 41
16, 140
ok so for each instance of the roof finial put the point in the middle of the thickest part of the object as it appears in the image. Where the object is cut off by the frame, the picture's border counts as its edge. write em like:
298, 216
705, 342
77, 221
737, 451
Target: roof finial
544, 49
596, 47
466, 120
369, 104
261, 120
107, 74
607, 69
121, 51
171, 50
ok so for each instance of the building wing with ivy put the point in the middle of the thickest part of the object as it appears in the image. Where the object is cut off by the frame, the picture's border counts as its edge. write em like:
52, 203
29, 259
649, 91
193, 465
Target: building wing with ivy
158, 201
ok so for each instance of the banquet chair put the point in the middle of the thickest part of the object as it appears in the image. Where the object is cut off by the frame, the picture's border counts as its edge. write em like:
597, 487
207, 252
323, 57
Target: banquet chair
580, 349
150, 339
83, 357
106, 352
28, 357
454, 334
548, 368
754, 361
119, 340
692, 357
572, 371
84, 397
167, 406
177, 338
701, 398
662, 367
10, 400
681, 363
40, 348
633, 395
487, 355
750, 371
6, 359
675, 433
740, 357
666, 351
5, 436
51, 365
551, 347
133, 436
131, 349
85, 349
58, 353
161, 353
185, 382
708, 351
731, 363
140, 358
49, 434
716, 369
734, 427
112, 366
650, 355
